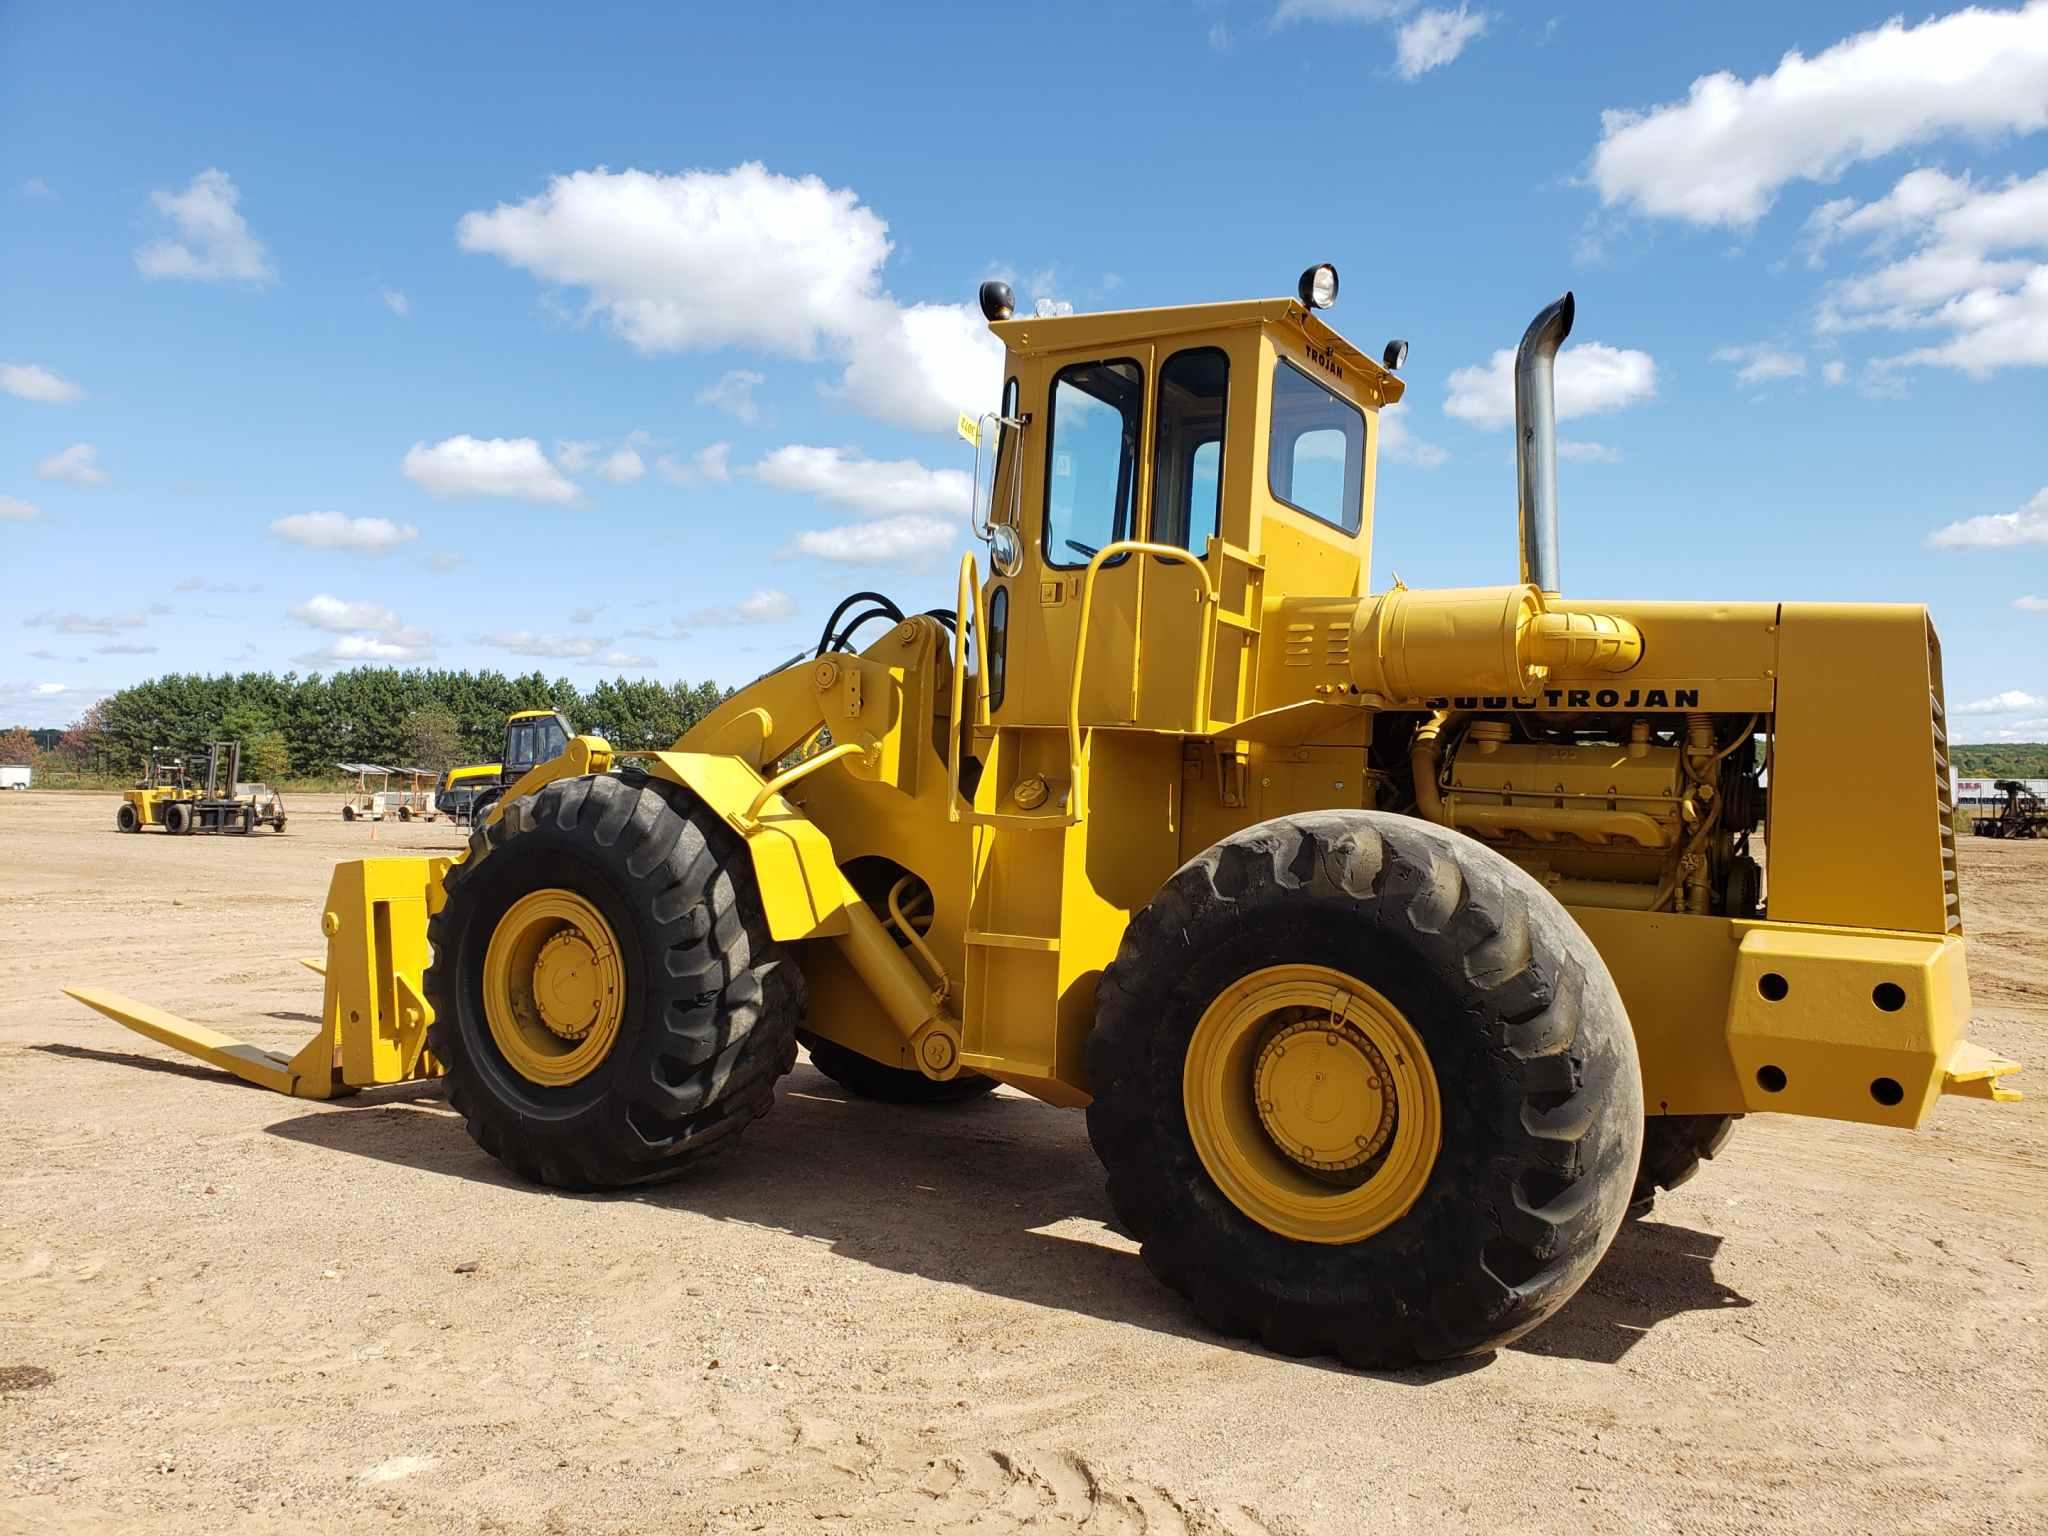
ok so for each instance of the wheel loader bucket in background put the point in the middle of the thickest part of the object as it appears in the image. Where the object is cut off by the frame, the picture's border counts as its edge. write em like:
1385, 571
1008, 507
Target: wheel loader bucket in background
374, 1020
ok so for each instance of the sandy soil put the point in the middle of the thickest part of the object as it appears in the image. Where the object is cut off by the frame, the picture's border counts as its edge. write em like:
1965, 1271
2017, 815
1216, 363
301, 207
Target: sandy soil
223, 1311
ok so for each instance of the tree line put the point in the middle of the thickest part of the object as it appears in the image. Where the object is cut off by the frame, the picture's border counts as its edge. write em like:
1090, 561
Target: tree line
301, 727
2017, 760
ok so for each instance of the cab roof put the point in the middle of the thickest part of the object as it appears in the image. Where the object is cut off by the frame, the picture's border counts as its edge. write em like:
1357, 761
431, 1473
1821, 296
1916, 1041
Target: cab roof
1030, 335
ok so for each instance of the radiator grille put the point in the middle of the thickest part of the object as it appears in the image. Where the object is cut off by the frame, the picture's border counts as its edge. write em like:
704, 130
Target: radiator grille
1944, 786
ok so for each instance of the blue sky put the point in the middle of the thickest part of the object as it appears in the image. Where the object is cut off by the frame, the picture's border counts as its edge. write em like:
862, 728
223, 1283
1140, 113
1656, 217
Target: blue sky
610, 339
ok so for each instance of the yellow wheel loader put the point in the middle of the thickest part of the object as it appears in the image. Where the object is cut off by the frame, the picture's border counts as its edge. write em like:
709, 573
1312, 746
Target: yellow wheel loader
531, 736
1396, 942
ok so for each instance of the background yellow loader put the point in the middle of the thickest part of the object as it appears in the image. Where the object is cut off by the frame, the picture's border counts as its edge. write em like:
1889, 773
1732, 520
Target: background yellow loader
1396, 942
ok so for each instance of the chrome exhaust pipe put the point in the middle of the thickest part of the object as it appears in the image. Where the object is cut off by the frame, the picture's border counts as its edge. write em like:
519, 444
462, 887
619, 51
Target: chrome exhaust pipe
1536, 441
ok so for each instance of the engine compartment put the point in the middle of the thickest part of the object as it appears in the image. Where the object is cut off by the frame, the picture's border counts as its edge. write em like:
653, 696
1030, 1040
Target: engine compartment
1643, 813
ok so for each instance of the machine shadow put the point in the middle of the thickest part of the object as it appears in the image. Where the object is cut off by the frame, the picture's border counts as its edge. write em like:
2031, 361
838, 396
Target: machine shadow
1653, 1271
135, 1059
1000, 1195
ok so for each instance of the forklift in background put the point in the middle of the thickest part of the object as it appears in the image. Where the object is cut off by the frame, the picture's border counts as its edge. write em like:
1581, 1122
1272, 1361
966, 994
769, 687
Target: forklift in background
164, 782
171, 796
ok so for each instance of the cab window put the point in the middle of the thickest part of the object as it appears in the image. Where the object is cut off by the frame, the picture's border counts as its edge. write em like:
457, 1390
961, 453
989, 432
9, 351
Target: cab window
549, 739
1188, 461
519, 747
1316, 454
1091, 469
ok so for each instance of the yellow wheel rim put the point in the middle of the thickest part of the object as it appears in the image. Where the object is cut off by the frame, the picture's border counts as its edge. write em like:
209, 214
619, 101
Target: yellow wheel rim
554, 988
1312, 1103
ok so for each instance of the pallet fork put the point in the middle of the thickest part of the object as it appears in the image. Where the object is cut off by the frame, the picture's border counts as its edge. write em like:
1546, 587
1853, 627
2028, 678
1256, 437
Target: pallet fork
373, 1014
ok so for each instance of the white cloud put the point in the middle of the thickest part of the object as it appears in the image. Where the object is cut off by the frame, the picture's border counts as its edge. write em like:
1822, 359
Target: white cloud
1435, 38
1591, 378
336, 530
38, 706
27, 381
575, 457
766, 605
746, 258
510, 467
1587, 453
1720, 156
872, 487
445, 561
1834, 371
1997, 530
2031, 604
124, 648
14, 510
912, 541
36, 187
624, 659
1759, 362
72, 623
368, 632
622, 467
366, 648
1976, 269
526, 642
396, 302
734, 394
2010, 702
211, 240
1401, 446
78, 464
324, 612
707, 466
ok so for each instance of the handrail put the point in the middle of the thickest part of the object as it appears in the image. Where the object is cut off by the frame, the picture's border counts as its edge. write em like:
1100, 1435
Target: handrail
789, 776
1077, 803
967, 601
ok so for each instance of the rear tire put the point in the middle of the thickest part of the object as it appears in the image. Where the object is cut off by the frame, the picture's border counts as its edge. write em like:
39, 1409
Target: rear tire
127, 819
348, 813
870, 1079
1674, 1146
710, 1007
1537, 1092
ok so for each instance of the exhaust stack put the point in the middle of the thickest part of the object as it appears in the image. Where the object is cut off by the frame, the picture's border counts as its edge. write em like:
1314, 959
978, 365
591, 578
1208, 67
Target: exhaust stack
1536, 441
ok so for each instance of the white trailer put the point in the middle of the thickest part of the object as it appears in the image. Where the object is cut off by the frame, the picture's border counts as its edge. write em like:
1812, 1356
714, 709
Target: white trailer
16, 775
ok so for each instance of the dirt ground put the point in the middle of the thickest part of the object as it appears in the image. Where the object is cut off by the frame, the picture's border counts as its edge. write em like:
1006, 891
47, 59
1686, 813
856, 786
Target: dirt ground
224, 1311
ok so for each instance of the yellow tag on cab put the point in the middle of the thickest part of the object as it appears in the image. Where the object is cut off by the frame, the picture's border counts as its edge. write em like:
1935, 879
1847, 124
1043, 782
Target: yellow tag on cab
970, 429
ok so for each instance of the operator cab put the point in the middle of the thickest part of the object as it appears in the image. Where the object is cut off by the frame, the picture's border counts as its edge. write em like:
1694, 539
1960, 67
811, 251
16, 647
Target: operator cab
1245, 434
533, 736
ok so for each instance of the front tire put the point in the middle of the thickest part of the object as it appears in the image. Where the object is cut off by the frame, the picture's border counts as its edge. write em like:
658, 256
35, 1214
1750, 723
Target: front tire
177, 818
608, 1002
1450, 1150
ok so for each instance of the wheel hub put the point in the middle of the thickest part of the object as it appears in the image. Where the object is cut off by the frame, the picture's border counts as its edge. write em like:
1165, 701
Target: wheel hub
554, 987
1322, 1090
1312, 1103
566, 987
